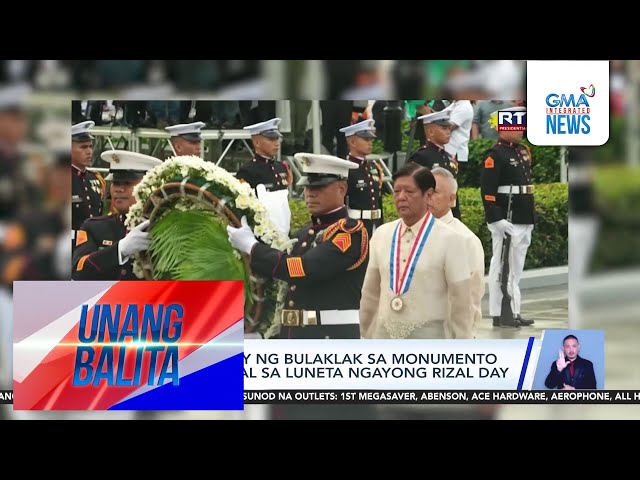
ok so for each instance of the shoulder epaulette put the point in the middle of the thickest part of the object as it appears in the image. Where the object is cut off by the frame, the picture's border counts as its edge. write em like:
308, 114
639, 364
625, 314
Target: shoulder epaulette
350, 225
340, 233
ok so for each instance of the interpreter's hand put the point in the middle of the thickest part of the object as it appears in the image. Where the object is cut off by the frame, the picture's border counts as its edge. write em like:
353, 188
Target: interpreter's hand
242, 238
503, 226
567, 387
137, 240
561, 363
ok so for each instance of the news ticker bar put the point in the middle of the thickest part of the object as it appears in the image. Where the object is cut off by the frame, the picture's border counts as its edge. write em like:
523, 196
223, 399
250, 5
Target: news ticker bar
443, 397
426, 397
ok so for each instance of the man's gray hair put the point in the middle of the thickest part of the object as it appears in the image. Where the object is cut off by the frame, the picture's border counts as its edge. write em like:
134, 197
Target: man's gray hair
443, 172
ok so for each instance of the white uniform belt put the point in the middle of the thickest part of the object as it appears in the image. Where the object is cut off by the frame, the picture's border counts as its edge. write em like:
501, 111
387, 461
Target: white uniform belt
297, 318
515, 189
365, 214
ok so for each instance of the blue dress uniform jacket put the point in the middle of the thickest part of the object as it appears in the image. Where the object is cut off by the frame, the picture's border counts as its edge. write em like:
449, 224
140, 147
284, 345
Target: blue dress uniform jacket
96, 254
365, 192
87, 193
507, 164
325, 271
273, 174
431, 156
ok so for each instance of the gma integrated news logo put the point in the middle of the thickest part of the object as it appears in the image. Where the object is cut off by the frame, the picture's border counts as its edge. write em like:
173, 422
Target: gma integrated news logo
568, 114
568, 102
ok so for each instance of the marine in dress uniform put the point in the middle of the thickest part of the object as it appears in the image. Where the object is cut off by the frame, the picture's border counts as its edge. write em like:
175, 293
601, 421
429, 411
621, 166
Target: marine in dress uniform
264, 168
326, 267
103, 245
88, 189
186, 138
432, 154
364, 195
325, 271
507, 168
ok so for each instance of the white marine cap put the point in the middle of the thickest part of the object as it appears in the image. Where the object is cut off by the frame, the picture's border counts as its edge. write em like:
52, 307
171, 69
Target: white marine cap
14, 97
126, 166
439, 118
188, 131
362, 129
80, 131
323, 169
268, 129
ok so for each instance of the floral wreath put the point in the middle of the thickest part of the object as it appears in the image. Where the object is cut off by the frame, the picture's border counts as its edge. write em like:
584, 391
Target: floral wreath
190, 189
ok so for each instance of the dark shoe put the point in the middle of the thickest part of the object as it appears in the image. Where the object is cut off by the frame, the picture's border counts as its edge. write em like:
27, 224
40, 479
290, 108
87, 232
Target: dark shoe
509, 323
523, 321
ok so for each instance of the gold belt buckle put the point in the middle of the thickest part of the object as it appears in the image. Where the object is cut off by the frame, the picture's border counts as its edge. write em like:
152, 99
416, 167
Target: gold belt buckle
375, 214
528, 189
311, 318
291, 318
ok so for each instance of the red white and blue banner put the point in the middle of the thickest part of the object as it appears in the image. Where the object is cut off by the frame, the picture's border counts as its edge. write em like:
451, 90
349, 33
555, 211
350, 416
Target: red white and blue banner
127, 345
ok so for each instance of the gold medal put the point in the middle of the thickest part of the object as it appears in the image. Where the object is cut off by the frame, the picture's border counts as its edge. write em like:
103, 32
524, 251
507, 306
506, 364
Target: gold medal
396, 304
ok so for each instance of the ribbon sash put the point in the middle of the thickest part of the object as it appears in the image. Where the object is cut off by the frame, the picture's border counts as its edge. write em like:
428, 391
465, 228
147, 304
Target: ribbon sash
400, 279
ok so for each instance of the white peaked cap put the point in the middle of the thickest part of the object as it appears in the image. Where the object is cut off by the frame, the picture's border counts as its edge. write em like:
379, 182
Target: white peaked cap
190, 131
269, 128
127, 166
363, 129
439, 118
81, 132
323, 169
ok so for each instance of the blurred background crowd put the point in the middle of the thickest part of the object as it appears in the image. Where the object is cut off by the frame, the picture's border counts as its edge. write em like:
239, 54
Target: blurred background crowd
36, 112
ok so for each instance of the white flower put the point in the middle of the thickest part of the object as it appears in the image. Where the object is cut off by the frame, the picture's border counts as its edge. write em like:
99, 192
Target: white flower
245, 199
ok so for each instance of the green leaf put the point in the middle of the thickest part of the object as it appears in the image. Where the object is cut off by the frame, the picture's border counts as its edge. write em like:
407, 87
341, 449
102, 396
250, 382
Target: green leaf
193, 245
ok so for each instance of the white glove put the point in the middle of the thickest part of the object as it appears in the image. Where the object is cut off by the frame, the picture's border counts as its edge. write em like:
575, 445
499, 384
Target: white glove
503, 226
242, 238
277, 205
137, 240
